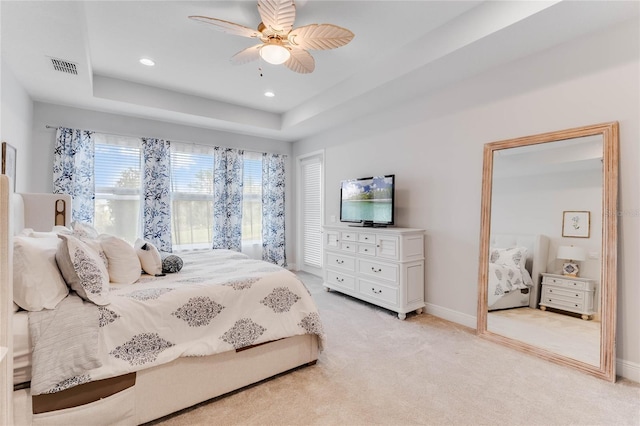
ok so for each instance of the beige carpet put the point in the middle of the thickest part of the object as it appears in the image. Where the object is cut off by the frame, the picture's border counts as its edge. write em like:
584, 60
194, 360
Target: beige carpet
377, 369
563, 334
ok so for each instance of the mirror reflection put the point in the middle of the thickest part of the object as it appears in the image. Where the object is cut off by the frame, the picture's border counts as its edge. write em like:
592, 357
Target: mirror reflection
548, 246
545, 246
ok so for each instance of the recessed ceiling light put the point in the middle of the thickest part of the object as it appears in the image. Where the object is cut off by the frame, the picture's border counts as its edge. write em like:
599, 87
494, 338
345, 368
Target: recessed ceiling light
146, 61
269, 94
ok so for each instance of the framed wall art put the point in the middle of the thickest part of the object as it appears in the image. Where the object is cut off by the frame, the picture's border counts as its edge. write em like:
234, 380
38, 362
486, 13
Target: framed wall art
576, 224
9, 162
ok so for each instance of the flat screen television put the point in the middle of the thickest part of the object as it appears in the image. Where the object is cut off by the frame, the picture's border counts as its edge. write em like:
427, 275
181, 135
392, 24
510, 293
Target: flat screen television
368, 201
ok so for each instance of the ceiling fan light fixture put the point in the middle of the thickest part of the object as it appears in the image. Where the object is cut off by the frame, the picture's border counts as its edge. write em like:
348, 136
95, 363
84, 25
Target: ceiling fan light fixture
274, 53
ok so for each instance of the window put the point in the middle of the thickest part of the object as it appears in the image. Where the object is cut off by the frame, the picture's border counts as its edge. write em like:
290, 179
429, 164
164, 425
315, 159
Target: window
191, 196
252, 199
117, 185
118, 192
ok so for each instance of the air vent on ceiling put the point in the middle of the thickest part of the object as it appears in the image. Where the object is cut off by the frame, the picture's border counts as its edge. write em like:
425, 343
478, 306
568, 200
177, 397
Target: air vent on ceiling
64, 66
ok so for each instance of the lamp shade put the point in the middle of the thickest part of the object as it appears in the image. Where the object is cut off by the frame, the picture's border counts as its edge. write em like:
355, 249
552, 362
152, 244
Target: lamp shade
571, 253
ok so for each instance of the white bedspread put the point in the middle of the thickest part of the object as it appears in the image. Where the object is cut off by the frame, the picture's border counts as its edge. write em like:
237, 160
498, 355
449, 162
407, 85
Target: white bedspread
504, 280
220, 301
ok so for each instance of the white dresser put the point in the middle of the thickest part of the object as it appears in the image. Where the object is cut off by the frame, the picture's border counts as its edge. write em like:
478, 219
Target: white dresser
571, 294
383, 266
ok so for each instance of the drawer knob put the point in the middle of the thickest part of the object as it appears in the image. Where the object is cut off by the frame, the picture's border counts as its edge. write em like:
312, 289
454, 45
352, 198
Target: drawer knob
366, 249
348, 247
340, 280
550, 291
376, 270
339, 262
376, 291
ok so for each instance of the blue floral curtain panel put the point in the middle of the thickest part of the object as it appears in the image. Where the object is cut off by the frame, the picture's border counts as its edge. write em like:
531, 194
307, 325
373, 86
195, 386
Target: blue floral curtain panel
273, 241
227, 190
73, 171
156, 185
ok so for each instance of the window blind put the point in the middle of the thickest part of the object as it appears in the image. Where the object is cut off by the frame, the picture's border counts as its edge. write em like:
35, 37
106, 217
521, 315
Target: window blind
252, 198
117, 167
311, 212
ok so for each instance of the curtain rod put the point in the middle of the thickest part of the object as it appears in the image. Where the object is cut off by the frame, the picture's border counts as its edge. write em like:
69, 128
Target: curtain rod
178, 141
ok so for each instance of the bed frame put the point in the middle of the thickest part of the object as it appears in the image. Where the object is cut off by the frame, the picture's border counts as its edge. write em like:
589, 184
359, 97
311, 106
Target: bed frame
537, 259
148, 394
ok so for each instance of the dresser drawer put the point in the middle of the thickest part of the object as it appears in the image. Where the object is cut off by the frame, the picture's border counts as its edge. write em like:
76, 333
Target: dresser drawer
367, 249
564, 282
348, 246
554, 302
378, 291
349, 236
566, 293
346, 263
378, 270
340, 279
367, 238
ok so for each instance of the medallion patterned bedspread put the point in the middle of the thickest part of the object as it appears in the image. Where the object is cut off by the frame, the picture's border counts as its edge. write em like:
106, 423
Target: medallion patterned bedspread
503, 280
221, 300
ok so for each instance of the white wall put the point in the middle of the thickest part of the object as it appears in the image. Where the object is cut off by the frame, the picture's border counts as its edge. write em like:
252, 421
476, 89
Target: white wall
534, 204
434, 146
41, 165
16, 117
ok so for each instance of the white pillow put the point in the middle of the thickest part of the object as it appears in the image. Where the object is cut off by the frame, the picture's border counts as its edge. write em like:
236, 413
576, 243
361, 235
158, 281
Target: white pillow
83, 269
123, 263
149, 257
37, 283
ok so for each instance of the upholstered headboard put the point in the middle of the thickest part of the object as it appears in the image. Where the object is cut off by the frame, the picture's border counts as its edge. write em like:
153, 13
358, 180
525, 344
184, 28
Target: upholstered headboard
40, 212
537, 256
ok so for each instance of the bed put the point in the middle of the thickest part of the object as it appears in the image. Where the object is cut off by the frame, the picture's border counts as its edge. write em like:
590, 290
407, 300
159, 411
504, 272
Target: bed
122, 385
507, 292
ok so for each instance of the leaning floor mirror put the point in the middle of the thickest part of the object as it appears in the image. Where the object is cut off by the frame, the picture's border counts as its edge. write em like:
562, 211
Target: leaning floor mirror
547, 274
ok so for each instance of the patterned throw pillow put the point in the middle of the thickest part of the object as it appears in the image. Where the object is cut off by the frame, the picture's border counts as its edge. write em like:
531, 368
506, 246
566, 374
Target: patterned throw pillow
514, 256
83, 269
171, 263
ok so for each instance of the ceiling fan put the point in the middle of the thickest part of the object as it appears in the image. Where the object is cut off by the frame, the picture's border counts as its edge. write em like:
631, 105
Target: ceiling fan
280, 42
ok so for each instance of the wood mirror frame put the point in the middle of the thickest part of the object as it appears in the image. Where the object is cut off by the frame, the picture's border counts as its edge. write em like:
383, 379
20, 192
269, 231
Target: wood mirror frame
608, 274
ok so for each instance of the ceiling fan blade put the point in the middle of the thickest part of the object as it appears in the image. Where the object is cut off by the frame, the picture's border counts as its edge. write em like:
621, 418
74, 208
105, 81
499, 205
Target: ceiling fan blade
277, 16
320, 37
228, 27
300, 61
247, 55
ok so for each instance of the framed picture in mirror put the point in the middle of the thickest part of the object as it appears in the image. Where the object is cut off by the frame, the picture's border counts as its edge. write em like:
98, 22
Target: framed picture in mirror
576, 224
9, 162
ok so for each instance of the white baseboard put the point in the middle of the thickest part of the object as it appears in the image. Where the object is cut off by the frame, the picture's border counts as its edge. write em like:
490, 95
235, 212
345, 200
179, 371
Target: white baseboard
627, 369
451, 315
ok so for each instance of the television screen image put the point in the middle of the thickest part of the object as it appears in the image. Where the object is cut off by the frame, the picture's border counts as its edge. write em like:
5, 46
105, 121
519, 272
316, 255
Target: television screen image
368, 200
